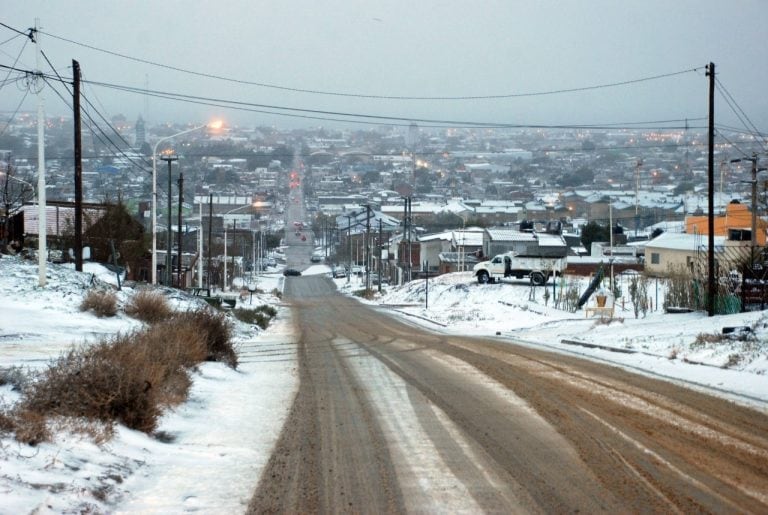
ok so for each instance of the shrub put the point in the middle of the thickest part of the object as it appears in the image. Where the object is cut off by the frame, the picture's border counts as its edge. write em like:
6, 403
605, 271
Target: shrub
149, 306
128, 378
14, 376
102, 303
365, 294
215, 330
110, 381
30, 427
260, 316
277, 293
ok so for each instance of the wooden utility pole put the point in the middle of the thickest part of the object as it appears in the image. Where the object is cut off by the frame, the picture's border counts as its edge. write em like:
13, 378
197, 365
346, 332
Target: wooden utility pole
169, 239
179, 240
210, 235
78, 168
711, 191
378, 251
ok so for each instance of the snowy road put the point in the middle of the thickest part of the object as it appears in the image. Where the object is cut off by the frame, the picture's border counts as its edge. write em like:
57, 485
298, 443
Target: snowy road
390, 418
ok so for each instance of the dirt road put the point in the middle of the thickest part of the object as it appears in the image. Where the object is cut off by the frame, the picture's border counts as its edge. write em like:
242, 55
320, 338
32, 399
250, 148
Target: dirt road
391, 418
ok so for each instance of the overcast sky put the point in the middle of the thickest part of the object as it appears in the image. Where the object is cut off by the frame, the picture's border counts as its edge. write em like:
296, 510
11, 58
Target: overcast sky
413, 48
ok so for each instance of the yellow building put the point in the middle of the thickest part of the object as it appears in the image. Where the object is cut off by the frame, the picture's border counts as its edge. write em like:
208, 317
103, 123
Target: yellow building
737, 217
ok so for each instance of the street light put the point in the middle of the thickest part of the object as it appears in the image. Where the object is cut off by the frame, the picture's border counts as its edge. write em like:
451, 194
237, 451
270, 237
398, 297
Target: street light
214, 125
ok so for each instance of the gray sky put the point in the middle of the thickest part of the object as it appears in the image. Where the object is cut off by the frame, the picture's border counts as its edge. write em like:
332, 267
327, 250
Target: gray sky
417, 48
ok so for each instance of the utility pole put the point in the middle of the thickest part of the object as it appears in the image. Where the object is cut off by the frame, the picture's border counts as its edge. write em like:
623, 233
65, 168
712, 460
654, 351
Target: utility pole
410, 239
42, 224
179, 238
200, 249
753, 183
381, 264
711, 193
349, 244
169, 240
78, 168
637, 194
368, 247
210, 235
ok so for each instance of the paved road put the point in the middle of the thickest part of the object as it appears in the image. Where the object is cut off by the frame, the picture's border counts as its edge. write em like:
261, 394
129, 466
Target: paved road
391, 418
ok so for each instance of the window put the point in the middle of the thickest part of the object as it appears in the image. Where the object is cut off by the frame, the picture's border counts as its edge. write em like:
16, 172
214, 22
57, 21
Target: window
655, 258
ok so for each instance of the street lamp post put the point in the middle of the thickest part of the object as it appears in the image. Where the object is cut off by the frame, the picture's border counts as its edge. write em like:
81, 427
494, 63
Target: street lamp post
154, 190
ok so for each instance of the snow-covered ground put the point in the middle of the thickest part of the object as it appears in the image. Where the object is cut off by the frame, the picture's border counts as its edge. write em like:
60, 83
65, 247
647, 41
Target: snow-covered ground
215, 445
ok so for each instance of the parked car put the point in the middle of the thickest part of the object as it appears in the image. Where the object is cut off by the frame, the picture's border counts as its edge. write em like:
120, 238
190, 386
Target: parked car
291, 271
339, 271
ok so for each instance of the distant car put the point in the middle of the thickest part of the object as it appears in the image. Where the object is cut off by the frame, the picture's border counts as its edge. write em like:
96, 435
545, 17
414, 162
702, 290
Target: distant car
339, 271
291, 271
315, 258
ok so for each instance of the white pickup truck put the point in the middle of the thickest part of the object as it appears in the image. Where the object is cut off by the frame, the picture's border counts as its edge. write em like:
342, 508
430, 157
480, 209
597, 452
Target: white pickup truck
506, 265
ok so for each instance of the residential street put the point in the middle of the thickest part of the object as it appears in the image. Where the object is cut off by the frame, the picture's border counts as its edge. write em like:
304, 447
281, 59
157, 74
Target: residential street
391, 418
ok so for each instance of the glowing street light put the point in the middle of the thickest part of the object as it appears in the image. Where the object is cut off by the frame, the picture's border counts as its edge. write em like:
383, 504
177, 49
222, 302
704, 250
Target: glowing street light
214, 125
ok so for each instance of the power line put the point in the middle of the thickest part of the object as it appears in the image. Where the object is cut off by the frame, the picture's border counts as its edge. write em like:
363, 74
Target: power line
734, 145
250, 107
17, 31
14, 64
375, 96
9, 40
66, 86
380, 119
737, 110
8, 123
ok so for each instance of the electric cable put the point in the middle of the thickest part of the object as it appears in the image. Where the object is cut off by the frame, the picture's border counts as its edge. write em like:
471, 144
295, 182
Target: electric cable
374, 96
66, 86
434, 123
14, 64
738, 111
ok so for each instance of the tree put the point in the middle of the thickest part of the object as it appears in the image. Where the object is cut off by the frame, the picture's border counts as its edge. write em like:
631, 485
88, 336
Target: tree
683, 187
579, 177
13, 194
593, 232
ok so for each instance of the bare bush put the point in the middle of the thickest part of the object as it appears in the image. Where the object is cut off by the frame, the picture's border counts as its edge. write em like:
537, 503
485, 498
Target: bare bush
102, 303
128, 379
148, 306
260, 316
30, 427
683, 290
215, 330
110, 381
16, 377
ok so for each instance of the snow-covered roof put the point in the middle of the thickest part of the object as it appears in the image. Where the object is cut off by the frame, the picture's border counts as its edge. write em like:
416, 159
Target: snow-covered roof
544, 239
682, 241
469, 238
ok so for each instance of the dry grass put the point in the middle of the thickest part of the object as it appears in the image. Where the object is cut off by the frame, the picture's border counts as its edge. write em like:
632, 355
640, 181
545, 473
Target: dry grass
215, 330
262, 315
127, 379
102, 303
148, 306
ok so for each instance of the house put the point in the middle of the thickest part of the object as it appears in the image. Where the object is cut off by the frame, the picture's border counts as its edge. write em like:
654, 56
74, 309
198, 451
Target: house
735, 224
681, 251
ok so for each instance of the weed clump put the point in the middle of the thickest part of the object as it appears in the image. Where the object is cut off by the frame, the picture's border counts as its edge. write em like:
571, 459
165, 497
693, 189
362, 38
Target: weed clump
148, 306
128, 379
215, 330
102, 303
260, 316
